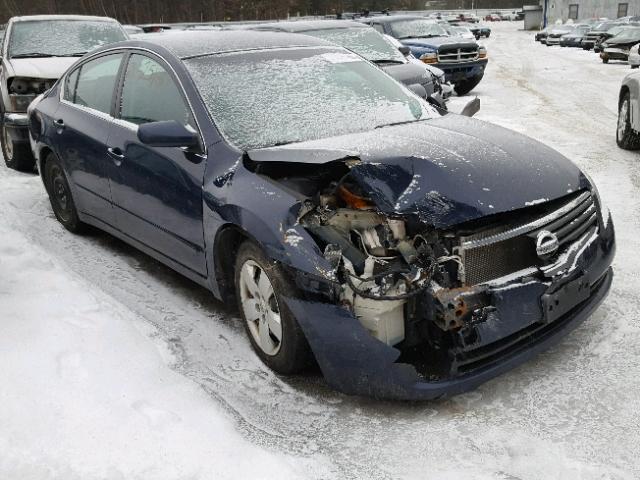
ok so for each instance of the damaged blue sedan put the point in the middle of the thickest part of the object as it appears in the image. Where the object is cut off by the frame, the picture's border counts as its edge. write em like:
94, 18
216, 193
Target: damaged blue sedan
411, 254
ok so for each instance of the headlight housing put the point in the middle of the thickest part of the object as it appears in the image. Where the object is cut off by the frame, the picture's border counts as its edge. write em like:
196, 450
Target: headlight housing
23, 90
430, 56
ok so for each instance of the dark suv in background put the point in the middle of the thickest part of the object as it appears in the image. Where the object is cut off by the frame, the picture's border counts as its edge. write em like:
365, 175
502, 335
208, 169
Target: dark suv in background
463, 61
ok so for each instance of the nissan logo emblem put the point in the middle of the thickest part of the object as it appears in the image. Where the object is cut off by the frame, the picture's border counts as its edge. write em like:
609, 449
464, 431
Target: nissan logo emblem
546, 243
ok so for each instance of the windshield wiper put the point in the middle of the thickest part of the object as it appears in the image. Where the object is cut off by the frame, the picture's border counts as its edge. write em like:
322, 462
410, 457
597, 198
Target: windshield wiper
32, 55
76, 54
419, 36
401, 123
398, 62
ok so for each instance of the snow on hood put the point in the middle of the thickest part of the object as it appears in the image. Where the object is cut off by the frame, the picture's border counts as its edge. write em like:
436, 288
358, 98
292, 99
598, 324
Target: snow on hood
447, 170
48, 68
438, 41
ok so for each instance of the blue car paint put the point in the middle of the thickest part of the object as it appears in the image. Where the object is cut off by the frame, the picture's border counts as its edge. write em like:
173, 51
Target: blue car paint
197, 198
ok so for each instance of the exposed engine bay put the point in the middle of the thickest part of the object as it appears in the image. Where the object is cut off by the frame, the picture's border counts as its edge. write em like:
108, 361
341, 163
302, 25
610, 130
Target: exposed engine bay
384, 263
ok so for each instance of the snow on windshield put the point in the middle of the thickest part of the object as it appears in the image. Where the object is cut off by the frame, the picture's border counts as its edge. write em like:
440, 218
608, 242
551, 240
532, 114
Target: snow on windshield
417, 28
62, 37
267, 98
364, 41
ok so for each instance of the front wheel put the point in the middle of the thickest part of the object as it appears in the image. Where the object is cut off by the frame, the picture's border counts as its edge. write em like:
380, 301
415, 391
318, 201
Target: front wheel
605, 60
273, 331
465, 86
626, 137
17, 156
635, 66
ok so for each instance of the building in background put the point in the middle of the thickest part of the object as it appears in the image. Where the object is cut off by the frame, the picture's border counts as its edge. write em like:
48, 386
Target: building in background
564, 10
532, 17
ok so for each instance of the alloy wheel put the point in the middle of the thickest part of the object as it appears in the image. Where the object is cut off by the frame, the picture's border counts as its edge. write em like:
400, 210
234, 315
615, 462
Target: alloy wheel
623, 114
260, 308
8, 144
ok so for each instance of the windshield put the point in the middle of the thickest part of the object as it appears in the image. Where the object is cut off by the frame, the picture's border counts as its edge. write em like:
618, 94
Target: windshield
417, 28
364, 41
628, 34
61, 37
265, 98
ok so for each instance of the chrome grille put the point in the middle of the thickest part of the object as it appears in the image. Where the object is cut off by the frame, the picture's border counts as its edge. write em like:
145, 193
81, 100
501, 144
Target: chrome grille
507, 249
457, 55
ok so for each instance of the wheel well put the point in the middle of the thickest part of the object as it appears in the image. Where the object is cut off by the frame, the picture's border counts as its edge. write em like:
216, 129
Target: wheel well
624, 90
226, 246
44, 154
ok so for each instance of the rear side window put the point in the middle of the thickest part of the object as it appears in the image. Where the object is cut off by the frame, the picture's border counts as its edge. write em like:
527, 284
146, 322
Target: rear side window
95, 83
377, 27
150, 94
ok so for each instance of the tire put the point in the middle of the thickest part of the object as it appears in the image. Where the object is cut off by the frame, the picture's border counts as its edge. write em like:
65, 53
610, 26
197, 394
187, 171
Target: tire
464, 87
260, 283
635, 66
626, 137
60, 196
605, 60
17, 156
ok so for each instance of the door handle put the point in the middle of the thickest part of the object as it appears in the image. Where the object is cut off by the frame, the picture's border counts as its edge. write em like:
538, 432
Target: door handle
116, 155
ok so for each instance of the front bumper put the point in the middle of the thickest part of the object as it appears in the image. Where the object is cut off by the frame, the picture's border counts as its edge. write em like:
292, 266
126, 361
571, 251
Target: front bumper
458, 72
17, 125
355, 363
615, 54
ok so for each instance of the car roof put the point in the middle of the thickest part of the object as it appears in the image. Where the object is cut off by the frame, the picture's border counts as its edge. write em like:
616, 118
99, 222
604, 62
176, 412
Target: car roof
397, 18
307, 25
31, 18
186, 44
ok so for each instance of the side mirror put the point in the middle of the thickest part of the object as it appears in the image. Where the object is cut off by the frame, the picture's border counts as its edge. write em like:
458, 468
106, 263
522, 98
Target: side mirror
404, 50
167, 134
471, 108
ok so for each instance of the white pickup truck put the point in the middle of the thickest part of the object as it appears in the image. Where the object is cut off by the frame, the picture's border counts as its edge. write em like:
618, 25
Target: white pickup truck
36, 51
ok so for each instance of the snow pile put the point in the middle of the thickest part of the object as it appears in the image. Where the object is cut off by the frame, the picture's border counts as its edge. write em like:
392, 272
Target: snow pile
87, 393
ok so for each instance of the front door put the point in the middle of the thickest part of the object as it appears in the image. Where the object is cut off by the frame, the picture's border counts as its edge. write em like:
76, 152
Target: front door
157, 192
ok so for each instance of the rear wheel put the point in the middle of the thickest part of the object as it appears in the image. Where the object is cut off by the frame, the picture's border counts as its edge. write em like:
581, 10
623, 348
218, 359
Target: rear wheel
60, 195
465, 86
17, 156
626, 137
273, 331
635, 66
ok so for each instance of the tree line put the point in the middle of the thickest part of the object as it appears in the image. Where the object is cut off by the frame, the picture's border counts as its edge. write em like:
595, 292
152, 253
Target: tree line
176, 11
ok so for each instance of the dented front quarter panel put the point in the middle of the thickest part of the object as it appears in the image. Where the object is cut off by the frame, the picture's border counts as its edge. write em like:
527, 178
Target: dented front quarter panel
235, 196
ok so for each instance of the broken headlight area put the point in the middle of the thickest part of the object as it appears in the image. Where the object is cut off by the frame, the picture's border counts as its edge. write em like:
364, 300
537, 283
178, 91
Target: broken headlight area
22, 91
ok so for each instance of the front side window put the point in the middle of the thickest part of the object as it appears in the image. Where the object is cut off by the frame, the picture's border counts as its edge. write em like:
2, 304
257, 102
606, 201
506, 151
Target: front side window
573, 11
623, 9
417, 28
95, 83
59, 38
150, 94
272, 97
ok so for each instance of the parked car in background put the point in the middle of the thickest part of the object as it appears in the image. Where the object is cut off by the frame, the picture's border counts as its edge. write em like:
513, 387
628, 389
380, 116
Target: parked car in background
35, 52
541, 36
574, 38
634, 56
477, 29
617, 48
133, 30
628, 128
493, 17
556, 32
371, 45
612, 32
597, 33
409, 254
463, 61
462, 32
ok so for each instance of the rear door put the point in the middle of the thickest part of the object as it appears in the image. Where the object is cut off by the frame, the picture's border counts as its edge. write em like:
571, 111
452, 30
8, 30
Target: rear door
157, 192
82, 123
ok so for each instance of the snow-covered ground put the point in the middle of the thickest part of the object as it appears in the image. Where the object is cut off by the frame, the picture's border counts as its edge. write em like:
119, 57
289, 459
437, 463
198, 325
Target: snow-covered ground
114, 367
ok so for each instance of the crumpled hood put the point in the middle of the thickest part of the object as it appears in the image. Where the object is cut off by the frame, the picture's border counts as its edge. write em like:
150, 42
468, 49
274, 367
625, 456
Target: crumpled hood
447, 170
47, 68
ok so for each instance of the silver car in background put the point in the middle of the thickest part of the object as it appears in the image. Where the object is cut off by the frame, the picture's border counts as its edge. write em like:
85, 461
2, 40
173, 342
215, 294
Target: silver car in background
36, 51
